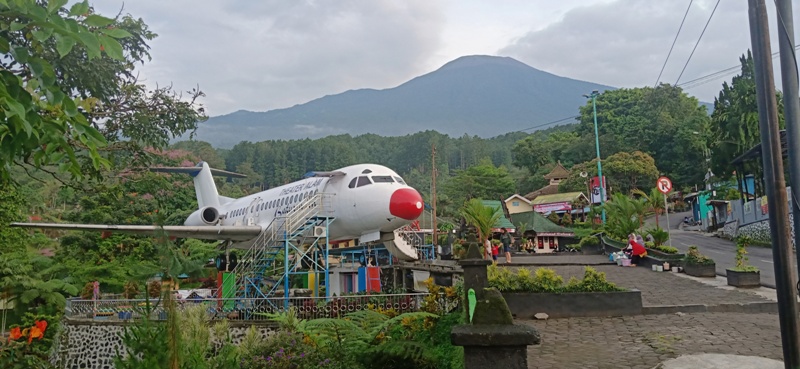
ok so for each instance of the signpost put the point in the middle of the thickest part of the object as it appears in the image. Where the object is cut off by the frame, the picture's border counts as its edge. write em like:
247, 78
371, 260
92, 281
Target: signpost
664, 185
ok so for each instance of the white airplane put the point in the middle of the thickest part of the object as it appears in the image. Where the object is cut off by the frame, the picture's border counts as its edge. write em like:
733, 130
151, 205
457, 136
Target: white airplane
369, 202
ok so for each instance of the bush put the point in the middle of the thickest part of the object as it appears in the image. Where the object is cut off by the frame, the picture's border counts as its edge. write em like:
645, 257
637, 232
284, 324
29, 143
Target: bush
589, 241
693, 256
546, 280
660, 236
667, 249
742, 264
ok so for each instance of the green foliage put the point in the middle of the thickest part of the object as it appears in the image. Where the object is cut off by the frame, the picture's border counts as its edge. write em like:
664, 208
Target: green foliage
658, 121
734, 125
553, 217
666, 249
482, 181
693, 256
547, 281
22, 354
566, 219
660, 236
481, 217
144, 344
12, 240
589, 241
742, 261
624, 215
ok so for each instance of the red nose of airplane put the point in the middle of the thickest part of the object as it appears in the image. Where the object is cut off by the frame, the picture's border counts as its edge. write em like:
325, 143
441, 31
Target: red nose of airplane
406, 203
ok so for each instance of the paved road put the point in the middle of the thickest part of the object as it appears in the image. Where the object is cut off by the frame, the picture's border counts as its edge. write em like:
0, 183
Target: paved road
642, 342
722, 251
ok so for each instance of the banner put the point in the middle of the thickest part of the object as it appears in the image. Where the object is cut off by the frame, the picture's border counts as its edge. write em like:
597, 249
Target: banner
594, 184
553, 206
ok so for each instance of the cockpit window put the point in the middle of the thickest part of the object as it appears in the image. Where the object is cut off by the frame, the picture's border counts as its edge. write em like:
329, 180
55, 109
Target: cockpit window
363, 181
366, 171
399, 180
352, 183
382, 179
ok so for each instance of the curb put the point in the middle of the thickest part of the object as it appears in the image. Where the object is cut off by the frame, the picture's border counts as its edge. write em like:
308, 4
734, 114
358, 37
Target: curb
555, 264
746, 308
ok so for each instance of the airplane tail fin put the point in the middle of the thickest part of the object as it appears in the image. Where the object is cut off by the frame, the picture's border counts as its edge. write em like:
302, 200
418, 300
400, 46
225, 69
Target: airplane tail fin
204, 186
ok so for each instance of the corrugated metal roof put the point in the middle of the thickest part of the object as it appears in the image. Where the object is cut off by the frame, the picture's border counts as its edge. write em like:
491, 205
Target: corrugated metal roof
538, 223
558, 197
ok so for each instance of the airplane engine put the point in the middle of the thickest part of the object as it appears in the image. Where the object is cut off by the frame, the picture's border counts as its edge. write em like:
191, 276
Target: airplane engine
205, 216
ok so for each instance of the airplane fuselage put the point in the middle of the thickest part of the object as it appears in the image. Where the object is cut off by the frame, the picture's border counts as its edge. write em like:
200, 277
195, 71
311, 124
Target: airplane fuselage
365, 200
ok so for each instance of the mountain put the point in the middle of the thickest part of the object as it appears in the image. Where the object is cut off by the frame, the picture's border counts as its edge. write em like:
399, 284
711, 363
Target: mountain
475, 95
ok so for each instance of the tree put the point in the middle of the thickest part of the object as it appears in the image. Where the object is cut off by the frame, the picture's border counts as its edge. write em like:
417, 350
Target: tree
653, 201
481, 217
734, 124
67, 87
624, 215
626, 171
481, 181
658, 121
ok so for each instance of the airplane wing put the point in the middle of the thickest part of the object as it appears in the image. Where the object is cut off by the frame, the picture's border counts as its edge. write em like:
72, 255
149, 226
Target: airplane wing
234, 233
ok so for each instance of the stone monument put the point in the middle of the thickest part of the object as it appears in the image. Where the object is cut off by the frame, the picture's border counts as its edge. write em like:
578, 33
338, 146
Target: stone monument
490, 338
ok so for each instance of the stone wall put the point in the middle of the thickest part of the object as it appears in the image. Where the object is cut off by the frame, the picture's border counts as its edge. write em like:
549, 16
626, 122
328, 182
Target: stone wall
758, 231
94, 344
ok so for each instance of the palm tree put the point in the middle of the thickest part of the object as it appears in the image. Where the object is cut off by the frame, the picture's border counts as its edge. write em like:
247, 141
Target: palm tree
481, 217
624, 215
654, 201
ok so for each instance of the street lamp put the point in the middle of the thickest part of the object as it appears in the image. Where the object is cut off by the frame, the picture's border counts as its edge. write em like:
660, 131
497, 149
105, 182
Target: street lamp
593, 96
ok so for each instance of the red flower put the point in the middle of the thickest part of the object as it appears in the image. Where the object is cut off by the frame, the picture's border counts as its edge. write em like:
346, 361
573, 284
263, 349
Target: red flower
35, 333
15, 334
41, 324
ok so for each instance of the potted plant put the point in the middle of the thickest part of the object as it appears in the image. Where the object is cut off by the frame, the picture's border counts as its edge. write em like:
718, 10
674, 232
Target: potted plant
698, 265
744, 274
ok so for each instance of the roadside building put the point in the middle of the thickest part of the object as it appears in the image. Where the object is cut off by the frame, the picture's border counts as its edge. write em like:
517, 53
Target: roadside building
546, 235
558, 174
518, 204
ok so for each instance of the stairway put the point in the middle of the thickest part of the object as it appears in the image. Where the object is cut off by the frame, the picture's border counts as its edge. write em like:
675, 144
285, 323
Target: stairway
256, 274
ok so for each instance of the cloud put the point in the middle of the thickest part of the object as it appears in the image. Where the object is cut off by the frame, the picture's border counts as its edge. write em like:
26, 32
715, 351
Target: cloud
624, 43
262, 55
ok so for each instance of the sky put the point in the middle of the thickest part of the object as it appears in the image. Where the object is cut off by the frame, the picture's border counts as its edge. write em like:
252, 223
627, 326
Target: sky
261, 55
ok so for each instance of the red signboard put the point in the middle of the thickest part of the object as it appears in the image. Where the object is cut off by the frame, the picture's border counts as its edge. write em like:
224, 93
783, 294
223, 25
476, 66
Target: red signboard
553, 206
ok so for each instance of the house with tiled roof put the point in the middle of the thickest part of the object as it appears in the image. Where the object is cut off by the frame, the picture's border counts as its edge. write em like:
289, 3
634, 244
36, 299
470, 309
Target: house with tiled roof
546, 235
558, 174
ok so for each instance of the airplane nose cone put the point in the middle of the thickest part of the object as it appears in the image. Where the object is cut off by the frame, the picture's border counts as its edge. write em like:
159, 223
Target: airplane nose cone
406, 203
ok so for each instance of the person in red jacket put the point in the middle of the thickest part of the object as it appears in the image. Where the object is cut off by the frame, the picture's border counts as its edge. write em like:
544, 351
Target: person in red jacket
635, 249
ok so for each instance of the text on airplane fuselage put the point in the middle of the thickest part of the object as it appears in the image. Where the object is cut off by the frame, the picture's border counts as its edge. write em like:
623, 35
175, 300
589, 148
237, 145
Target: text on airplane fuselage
301, 187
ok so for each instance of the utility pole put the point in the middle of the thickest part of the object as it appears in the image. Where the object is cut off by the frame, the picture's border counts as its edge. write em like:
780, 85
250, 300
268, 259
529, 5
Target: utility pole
772, 162
433, 195
791, 102
593, 96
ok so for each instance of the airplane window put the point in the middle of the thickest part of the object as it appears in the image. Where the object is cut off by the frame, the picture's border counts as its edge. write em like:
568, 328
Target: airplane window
399, 180
363, 181
366, 171
352, 183
382, 179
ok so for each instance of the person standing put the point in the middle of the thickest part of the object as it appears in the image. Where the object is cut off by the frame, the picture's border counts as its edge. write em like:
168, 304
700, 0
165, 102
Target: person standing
507, 241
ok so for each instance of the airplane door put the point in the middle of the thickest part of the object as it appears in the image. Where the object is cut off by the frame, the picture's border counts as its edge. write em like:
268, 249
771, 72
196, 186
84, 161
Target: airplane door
253, 212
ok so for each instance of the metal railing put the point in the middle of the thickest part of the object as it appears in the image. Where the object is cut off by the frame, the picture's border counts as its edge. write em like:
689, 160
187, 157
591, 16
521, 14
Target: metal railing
250, 309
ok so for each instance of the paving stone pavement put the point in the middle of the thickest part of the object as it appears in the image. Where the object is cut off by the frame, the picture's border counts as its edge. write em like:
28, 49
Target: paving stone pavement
645, 341
662, 288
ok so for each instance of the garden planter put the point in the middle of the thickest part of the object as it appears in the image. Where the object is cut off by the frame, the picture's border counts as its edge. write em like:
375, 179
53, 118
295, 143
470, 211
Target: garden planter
743, 279
697, 270
524, 305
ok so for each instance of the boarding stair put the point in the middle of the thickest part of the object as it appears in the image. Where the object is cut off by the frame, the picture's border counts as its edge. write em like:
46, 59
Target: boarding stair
257, 275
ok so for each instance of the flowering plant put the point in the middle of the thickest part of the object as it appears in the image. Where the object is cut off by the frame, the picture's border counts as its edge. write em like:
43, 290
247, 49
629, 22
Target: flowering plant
26, 345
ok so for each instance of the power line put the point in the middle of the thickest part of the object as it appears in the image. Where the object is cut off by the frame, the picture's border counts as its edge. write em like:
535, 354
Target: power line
673, 42
549, 123
698, 41
725, 72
